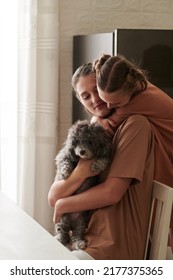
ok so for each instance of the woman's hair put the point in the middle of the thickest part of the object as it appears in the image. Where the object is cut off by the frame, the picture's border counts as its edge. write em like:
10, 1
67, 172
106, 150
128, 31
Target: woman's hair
116, 72
84, 70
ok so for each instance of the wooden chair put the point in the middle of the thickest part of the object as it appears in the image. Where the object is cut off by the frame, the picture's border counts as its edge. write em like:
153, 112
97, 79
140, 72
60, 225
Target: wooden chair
162, 201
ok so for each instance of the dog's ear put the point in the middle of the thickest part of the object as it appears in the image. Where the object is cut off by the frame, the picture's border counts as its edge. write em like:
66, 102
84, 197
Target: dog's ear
103, 139
72, 155
70, 136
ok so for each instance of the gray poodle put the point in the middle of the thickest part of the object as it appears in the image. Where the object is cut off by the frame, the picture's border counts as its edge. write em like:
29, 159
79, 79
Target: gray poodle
85, 140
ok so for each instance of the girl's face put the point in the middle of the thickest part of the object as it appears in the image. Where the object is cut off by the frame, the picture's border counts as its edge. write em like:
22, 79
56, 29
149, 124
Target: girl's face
116, 99
88, 95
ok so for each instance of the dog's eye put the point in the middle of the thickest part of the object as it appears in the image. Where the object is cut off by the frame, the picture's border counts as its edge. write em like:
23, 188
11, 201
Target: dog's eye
75, 142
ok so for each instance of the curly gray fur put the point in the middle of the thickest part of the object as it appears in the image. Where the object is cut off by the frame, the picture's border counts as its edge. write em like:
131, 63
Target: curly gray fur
85, 140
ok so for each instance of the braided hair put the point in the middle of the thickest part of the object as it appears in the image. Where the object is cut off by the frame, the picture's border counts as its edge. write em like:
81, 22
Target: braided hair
116, 72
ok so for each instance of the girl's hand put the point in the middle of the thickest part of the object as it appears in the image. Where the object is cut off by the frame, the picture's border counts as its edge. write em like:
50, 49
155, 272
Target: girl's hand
84, 168
57, 211
107, 124
82, 171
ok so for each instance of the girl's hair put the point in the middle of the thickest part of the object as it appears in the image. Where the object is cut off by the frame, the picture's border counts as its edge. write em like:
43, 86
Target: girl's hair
84, 70
116, 72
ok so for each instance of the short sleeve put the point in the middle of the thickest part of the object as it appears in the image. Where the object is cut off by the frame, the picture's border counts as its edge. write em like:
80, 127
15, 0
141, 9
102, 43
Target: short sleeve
133, 144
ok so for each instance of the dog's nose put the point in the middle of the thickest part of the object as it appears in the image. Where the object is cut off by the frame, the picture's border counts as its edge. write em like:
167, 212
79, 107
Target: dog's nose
82, 152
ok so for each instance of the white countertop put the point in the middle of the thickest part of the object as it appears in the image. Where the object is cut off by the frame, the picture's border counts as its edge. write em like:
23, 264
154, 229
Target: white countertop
21, 237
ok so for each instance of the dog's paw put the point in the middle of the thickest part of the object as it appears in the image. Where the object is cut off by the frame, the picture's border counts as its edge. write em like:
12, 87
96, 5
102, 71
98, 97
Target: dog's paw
78, 244
62, 174
59, 237
63, 239
99, 165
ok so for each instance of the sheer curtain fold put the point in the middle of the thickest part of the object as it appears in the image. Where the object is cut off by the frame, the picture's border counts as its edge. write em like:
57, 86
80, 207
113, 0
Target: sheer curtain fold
8, 97
37, 105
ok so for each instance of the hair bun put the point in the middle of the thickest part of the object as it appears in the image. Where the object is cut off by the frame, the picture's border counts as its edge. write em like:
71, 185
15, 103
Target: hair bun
98, 63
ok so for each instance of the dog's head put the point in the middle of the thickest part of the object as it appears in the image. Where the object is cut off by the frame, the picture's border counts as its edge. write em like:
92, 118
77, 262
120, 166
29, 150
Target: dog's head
88, 140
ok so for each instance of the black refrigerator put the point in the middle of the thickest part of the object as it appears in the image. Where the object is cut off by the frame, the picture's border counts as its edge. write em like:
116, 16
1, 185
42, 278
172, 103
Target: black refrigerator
151, 49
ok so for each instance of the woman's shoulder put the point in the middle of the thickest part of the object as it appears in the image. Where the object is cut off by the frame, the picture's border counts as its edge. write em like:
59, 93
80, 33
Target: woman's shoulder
155, 92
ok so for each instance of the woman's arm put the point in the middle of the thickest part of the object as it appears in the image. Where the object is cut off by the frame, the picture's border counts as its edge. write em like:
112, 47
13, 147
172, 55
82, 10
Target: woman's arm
107, 124
67, 187
104, 194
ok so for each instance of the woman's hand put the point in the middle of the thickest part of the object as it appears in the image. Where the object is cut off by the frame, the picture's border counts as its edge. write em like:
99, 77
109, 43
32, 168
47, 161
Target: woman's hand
107, 124
84, 168
67, 187
57, 211
82, 171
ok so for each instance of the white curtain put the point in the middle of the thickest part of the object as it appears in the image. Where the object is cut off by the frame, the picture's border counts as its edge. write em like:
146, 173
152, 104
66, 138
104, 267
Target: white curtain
37, 106
8, 97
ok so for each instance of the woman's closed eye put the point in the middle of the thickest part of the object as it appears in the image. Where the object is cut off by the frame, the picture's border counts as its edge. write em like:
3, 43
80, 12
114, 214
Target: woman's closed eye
85, 96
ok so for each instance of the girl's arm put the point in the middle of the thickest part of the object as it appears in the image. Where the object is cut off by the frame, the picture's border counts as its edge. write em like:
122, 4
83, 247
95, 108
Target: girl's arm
104, 194
67, 187
107, 124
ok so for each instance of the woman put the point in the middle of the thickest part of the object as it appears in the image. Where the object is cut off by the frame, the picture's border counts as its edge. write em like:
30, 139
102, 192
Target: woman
124, 87
85, 89
118, 229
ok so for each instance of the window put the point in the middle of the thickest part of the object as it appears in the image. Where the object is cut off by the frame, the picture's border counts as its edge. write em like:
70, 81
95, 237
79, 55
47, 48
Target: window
8, 97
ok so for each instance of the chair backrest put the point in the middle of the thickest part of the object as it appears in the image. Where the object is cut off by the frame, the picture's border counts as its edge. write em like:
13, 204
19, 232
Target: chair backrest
161, 208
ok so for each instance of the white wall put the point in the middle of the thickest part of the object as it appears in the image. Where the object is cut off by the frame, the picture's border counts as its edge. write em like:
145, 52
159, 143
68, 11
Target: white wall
99, 16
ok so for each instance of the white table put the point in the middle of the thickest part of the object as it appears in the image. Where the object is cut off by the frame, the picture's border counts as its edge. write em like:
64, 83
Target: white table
21, 237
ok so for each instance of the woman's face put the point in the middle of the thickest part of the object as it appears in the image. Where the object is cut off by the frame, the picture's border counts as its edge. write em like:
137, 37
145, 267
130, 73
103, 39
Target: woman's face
88, 95
116, 99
